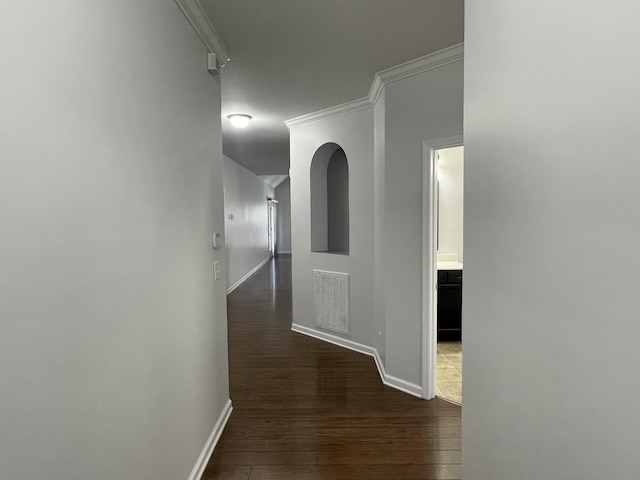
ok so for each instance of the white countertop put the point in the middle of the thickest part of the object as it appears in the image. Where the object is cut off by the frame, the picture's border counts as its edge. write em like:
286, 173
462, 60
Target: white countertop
449, 266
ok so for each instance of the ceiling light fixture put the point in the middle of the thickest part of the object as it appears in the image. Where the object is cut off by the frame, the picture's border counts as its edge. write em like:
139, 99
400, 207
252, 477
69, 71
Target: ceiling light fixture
239, 120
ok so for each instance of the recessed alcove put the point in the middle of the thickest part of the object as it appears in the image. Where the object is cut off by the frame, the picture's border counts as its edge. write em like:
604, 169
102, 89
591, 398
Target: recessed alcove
329, 175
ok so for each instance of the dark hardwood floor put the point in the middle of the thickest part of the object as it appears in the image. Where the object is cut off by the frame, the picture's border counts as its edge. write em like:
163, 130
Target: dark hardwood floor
308, 410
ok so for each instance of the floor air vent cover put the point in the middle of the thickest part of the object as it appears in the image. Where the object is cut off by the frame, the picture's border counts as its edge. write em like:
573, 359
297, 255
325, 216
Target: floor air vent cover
331, 291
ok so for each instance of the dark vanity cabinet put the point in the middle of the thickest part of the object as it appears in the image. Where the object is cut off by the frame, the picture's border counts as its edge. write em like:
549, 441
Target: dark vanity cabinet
449, 305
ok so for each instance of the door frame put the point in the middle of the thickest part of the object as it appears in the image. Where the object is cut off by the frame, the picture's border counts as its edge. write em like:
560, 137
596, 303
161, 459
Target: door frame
429, 260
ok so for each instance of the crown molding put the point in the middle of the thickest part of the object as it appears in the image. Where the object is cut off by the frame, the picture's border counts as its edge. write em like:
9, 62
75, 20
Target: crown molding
376, 89
342, 109
428, 62
195, 14
415, 67
408, 69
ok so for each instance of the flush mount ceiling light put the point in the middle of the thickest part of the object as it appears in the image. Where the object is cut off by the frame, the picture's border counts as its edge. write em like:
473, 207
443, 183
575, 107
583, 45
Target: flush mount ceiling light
239, 120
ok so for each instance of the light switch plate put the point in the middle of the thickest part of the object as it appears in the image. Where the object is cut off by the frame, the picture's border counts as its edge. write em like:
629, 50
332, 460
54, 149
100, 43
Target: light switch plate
216, 271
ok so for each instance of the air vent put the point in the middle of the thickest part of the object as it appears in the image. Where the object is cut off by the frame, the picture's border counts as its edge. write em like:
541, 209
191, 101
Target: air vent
331, 291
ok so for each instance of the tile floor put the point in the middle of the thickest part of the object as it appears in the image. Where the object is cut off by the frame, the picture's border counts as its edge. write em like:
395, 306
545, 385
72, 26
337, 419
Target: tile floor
449, 371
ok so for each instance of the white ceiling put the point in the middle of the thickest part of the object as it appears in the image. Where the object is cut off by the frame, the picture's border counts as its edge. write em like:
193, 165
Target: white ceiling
273, 180
293, 57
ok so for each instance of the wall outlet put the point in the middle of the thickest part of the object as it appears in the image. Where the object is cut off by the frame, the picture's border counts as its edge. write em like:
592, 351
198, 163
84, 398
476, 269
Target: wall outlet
216, 271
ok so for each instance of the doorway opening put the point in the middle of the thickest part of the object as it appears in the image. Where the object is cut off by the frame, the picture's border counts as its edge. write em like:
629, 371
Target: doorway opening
443, 268
272, 226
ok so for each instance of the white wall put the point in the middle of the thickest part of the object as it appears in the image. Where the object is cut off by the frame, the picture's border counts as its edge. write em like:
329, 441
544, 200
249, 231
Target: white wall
337, 186
246, 221
354, 133
383, 144
419, 108
379, 143
283, 195
551, 199
113, 343
318, 193
450, 200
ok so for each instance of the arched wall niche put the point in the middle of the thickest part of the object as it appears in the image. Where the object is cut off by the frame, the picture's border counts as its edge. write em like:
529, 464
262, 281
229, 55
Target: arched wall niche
329, 175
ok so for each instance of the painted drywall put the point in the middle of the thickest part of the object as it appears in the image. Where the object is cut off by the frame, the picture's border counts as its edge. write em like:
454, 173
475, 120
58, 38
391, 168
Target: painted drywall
450, 201
338, 203
283, 195
388, 215
379, 143
113, 343
318, 197
354, 133
423, 107
246, 220
551, 199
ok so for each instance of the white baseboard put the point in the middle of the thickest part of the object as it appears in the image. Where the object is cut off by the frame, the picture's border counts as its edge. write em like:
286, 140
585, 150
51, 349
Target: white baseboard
389, 380
329, 337
243, 279
284, 253
398, 383
207, 451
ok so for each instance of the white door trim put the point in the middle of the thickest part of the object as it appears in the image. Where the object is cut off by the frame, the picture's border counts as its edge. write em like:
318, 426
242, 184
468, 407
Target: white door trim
429, 261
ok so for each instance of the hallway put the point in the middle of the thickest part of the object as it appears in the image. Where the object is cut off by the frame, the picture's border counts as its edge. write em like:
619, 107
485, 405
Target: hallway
308, 410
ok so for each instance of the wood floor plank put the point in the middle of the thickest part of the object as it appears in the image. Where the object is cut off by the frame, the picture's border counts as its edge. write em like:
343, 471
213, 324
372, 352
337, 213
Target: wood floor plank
307, 410
313, 445
350, 472
215, 471
273, 457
